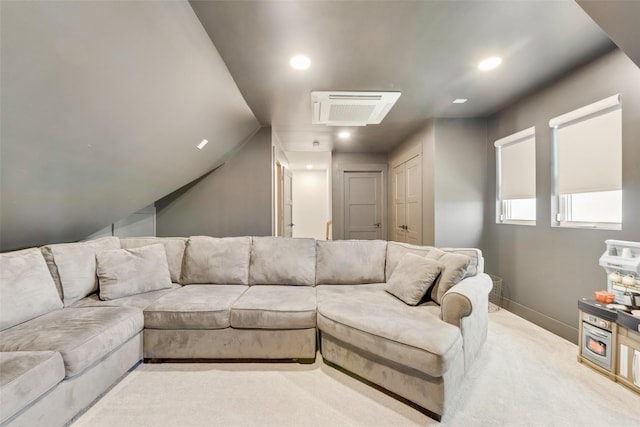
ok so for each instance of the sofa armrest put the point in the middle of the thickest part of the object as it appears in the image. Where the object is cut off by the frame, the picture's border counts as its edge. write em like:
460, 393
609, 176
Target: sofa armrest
466, 305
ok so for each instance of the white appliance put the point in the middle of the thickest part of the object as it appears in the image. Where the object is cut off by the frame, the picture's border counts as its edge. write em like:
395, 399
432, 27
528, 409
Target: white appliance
621, 261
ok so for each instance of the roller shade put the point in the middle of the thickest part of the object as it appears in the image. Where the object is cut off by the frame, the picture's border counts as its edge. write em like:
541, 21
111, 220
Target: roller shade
589, 149
518, 165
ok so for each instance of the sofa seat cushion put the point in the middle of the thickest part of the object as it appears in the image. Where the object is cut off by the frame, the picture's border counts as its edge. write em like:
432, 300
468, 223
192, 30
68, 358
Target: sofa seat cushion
25, 376
140, 301
82, 336
382, 325
194, 307
282, 261
275, 307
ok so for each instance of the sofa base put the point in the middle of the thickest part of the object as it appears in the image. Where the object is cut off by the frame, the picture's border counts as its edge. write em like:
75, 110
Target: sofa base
432, 396
74, 394
229, 343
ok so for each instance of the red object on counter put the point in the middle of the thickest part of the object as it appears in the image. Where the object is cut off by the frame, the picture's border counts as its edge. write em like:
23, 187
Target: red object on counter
604, 296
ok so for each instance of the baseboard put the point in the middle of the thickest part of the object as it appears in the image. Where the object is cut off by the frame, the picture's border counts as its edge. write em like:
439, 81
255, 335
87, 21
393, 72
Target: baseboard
563, 330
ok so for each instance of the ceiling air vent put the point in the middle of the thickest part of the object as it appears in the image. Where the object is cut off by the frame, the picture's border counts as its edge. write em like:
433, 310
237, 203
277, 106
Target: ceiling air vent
351, 108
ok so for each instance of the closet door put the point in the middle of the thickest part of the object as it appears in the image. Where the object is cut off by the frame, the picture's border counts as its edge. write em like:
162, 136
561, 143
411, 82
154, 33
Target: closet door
407, 201
413, 203
399, 203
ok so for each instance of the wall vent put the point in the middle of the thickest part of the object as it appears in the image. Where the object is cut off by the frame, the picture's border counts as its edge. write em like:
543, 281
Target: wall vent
351, 108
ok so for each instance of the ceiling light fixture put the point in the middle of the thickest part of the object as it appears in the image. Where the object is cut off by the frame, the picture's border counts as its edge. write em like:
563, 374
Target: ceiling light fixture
344, 134
309, 166
202, 144
490, 63
300, 62
460, 100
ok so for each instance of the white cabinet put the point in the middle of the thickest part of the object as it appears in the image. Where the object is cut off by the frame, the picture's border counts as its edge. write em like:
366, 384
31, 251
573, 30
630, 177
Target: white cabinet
628, 366
407, 201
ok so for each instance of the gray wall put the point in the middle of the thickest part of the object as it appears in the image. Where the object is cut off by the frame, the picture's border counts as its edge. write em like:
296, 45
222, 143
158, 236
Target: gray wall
102, 105
453, 180
424, 141
233, 200
460, 182
545, 270
339, 160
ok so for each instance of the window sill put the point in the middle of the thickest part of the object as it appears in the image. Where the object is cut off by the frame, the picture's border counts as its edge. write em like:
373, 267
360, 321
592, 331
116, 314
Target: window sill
517, 222
589, 225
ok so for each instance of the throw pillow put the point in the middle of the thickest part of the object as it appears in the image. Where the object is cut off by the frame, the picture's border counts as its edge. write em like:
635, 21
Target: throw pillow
125, 272
412, 277
453, 271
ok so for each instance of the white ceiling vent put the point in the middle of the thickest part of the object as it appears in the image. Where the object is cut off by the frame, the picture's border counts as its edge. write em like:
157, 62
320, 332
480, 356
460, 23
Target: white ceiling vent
351, 108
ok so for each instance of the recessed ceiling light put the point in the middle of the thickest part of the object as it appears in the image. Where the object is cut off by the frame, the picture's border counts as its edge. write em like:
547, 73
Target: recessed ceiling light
202, 144
490, 63
460, 100
309, 166
300, 62
344, 134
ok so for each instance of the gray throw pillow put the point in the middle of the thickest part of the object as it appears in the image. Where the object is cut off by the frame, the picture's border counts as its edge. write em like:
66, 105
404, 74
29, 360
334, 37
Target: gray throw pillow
412, 277
454, 268
125, 272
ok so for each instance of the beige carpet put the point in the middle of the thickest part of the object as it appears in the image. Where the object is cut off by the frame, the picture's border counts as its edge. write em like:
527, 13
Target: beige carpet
525, 376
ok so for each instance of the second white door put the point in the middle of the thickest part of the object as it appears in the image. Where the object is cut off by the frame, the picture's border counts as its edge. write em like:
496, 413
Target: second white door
363, 204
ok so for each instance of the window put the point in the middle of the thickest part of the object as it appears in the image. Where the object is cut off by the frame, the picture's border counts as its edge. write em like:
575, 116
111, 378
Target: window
516, 178
587, 170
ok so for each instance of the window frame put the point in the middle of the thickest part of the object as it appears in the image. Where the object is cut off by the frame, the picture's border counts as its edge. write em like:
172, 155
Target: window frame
503, 206
561, 204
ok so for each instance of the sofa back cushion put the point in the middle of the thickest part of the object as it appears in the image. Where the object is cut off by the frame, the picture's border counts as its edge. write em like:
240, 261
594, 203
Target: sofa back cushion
173, 246
213, 260
73, 266
125, 272
350, 262
26, 287
396, 251
476, 266
454, 268
282, 261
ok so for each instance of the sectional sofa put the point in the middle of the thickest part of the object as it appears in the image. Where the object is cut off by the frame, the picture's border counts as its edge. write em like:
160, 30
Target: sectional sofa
76, 317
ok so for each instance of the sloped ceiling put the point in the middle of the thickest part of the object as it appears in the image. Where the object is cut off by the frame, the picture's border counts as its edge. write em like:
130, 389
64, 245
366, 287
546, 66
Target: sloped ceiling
620, 19
103, 104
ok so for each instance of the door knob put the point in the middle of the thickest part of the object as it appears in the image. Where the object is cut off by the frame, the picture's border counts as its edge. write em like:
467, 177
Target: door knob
377, 224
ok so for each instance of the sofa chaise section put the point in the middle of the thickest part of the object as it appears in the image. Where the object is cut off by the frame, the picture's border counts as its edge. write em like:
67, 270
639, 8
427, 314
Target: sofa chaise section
419, 353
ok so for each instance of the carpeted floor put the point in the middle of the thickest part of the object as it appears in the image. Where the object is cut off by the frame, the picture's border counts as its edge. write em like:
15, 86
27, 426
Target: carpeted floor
525, 376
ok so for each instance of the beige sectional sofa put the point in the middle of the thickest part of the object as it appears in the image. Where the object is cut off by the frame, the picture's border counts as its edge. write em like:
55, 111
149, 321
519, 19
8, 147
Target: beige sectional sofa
76, 317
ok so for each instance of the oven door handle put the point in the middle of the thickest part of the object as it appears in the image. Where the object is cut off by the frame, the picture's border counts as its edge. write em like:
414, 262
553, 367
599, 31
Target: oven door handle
597, 333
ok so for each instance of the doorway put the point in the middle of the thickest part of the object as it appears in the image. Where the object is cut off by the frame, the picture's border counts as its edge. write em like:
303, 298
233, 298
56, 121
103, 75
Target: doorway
311, 190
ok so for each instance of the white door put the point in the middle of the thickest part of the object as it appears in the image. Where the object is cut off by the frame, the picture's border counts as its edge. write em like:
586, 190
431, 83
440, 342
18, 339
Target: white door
363, 200
413, 191
407, 202
288, 203
399, 203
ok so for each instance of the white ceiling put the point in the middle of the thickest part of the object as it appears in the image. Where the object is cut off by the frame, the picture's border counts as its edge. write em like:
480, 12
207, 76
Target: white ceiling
428, 50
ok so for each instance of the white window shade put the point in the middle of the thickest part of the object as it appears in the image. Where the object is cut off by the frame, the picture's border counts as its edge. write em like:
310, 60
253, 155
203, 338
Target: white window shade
518, 165
590, 153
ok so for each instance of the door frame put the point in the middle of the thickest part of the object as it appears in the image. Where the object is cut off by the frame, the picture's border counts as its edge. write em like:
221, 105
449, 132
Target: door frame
338, 223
